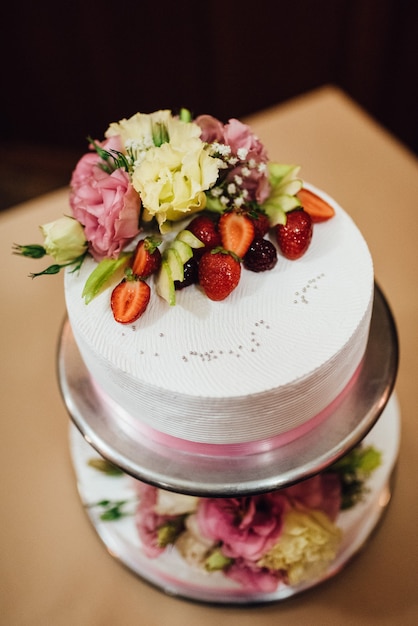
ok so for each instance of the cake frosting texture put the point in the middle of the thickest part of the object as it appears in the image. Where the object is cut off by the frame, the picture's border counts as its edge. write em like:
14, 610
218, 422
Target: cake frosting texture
264, 362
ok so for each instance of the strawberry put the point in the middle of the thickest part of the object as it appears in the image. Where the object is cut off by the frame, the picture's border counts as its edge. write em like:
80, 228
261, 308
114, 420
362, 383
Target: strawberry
261, 223
295, 236
129, 299
318, 209
146, 258
237, 232
205, 229
219, 273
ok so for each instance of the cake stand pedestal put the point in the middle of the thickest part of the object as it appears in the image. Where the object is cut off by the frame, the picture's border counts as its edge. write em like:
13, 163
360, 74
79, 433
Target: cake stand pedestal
368, 413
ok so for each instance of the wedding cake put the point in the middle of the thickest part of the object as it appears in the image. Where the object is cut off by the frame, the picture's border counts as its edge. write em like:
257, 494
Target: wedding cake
220, 305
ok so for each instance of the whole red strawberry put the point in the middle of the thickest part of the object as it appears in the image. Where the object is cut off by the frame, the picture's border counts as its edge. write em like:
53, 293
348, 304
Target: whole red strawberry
146, 258
219, 273
295, 236
206, 230
261, 223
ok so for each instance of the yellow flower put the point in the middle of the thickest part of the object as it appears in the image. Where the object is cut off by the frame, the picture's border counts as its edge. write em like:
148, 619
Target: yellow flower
64, 239
308, 544
172, 168
172, 178
137, 131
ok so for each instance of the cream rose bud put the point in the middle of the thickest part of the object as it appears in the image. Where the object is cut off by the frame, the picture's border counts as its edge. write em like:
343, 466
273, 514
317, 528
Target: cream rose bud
64, 239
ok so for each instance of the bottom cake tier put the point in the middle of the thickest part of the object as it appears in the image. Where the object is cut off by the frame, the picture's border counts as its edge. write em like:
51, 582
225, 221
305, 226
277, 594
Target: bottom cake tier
248, 549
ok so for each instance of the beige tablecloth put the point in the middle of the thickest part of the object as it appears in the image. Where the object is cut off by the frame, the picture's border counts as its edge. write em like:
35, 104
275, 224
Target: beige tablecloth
53, 568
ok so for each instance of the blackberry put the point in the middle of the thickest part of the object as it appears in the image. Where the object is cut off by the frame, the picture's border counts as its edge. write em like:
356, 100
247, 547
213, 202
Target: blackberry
190, 275
261, 255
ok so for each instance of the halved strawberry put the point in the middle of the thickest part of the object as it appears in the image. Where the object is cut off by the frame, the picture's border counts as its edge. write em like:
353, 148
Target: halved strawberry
237, 232
318, 209
219, 273
295, 236
129, 299
146, 258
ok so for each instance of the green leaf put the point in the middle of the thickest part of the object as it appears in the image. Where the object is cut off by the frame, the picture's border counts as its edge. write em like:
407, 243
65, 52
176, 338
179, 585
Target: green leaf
185, 115
370, 460
101, 275
112, 514
217, 561
159, 134
105, 467
52, 269
167, 533
214, 204
33, 250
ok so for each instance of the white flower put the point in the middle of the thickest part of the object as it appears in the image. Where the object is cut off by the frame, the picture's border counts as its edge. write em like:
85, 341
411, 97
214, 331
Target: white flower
307, 545
170, 503
64, 239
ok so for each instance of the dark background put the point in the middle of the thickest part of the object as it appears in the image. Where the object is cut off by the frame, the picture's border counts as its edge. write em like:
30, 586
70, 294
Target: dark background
70, 68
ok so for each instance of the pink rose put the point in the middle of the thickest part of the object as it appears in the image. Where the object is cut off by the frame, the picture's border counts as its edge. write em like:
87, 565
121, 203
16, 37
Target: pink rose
247, 527
320, 493
105, 204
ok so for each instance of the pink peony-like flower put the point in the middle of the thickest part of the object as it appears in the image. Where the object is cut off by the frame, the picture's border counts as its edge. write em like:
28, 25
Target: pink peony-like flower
248, 157
254, 578
319, 493
239, 136
147, 521
212, 129
105, 204
247, 527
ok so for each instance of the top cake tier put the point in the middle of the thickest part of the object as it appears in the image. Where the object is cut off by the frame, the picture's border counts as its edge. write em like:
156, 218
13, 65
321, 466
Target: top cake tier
256, 369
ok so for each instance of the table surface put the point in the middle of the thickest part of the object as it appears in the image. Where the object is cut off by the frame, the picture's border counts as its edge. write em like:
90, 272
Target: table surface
53, 568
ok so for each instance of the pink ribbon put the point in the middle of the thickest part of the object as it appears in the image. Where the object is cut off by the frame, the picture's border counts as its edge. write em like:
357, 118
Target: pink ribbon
232, 449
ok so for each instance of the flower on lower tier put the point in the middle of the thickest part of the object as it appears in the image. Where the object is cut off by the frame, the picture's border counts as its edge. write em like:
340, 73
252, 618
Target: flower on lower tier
257, 541
289, 536
245, 527
308, 544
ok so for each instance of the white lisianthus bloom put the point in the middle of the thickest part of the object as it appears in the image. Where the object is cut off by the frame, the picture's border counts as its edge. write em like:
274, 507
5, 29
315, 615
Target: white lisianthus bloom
172, 167
64, 239
170, 503
137, 131
192, 545
307, 545
172, 179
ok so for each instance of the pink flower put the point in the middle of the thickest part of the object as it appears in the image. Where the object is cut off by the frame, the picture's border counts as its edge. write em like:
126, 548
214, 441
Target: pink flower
320, 493
239, 136
105, 204
212, 129
246, 527
254, 578
248, 152
147, 521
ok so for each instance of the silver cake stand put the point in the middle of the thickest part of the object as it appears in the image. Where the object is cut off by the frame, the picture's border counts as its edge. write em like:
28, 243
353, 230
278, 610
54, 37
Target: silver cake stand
206, 475
368, 413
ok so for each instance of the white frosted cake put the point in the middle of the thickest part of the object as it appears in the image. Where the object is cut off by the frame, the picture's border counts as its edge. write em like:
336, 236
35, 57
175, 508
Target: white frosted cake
266, 361
272, 330
221, 305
